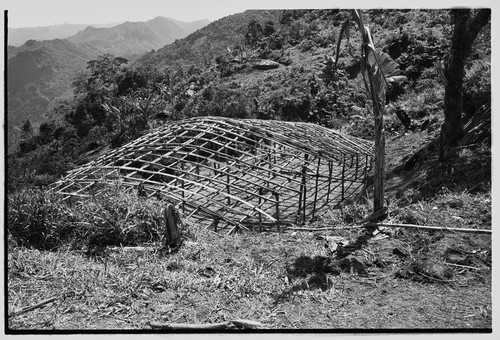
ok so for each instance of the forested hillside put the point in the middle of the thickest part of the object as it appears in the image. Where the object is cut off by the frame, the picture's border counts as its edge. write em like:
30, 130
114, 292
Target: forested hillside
209, 42
40, 72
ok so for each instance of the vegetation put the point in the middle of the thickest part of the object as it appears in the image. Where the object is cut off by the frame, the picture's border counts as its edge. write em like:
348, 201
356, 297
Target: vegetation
398, 279
467, 26
39, 219
40, 73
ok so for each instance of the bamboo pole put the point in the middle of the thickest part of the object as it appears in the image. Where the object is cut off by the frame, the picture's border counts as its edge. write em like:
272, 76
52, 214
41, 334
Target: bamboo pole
232, 324
330, 170
304, 183
423, 227
316, 187
277, 195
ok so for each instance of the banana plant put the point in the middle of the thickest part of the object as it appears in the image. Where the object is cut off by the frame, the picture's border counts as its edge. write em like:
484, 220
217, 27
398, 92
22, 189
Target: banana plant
378, 70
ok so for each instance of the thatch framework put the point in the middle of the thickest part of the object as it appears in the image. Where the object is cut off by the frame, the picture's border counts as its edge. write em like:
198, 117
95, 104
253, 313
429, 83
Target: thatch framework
236, 172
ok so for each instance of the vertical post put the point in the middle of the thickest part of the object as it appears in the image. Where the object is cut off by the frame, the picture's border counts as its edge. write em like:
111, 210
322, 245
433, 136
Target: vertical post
378, 186
357, 167
316, 190
216, 222
171, 233
304, 170
274, 152
260, 208
228, 187
301, 189
330, 170
379, 172
182, 189
277, 196
343, 176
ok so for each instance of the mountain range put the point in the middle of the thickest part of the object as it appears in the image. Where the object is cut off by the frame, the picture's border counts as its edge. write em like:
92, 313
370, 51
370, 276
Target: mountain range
40, 72
18, 36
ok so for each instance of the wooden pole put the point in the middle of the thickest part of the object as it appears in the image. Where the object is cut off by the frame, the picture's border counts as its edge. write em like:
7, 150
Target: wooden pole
261, 191
228, 187
277, 195
424, 227
172, 233
304, 171
316, 188
182, 187
232, 324
378, 186
357, 167
343, 177
330, 170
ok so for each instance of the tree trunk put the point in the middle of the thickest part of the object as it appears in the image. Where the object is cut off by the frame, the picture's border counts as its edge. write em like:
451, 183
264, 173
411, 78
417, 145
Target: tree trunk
379, 172
465, 30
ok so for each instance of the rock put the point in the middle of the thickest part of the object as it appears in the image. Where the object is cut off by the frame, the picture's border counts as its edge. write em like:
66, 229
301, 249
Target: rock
353, 265
400, 253
265, 65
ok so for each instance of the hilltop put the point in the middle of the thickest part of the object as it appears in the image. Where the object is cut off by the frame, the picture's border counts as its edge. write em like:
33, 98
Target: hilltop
209, 42
131, 38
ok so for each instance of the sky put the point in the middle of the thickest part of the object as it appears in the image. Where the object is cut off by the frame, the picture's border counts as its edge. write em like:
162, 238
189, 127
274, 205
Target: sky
33, 13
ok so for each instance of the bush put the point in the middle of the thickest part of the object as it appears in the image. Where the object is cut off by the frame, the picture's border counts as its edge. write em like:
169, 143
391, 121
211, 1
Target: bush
37, 219
41, 220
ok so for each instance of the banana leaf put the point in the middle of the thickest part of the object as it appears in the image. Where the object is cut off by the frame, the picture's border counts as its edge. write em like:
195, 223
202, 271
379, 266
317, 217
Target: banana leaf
344, 30
383, 68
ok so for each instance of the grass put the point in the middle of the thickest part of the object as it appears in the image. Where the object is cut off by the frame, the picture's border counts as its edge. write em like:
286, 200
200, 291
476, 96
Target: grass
274, 279
41, 220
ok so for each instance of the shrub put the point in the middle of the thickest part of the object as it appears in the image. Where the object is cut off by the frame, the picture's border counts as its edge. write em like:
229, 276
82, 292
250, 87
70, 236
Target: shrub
41, 220
37, 219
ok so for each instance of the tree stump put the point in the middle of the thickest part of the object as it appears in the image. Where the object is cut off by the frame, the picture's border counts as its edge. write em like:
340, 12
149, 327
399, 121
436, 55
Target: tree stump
172, 221
404, 118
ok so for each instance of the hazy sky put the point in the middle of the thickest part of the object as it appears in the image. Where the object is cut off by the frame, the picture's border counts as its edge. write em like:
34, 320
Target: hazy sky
32, 13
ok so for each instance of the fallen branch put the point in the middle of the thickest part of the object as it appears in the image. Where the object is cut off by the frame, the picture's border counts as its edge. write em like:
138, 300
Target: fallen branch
240, 324
423, 227
38, 305
137, 249
320, 229
461, 266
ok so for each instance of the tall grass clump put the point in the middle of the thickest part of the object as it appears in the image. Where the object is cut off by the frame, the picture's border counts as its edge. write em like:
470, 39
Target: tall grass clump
37, 219
41, 220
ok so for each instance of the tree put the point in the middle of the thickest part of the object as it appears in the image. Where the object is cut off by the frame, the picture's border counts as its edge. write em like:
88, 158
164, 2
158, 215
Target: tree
254, 32
378, 69
467, 24
27, 127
